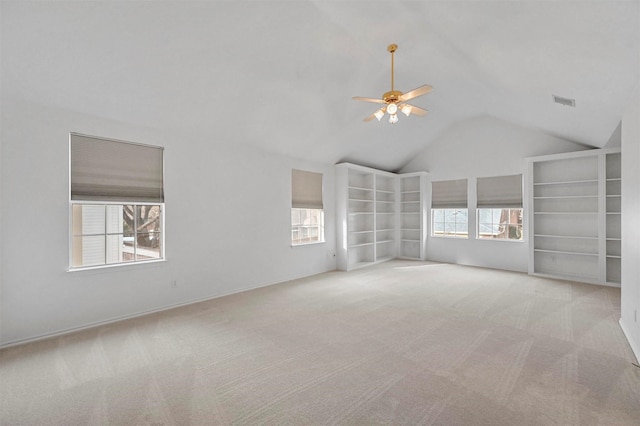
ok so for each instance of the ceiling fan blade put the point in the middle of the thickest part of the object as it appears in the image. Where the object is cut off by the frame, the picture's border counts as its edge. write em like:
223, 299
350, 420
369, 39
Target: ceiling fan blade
372, 116
422, 90
417, 110
377, 101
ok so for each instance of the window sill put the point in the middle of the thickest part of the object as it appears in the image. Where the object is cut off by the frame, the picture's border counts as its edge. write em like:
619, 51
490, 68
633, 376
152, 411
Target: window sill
308, 244
448, 237
115, 265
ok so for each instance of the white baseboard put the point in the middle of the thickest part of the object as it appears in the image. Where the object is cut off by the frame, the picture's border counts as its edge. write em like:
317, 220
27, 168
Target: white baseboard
64, 331
635, 346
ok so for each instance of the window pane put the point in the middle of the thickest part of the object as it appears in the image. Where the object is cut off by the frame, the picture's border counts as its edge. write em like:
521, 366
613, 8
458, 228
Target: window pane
499, 215
148, 246
88, 250
505, 224
438, 215
128, 219
461, 216
515, 232
92, 219
148, 218
114, 248
114, 219
295, 217
307, 225
485, 216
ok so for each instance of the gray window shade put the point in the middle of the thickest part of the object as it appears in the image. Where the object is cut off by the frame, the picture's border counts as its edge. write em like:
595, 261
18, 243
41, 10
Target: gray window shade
500, 192
306, 190
107, 170
449, 194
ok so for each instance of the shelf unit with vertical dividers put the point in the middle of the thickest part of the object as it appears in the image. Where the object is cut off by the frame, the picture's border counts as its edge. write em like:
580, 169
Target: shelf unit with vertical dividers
385, 217
574, 216
613, 208
372, 217
412, 220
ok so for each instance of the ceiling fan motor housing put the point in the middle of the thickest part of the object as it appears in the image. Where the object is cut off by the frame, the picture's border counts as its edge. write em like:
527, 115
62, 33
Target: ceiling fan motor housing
392, 96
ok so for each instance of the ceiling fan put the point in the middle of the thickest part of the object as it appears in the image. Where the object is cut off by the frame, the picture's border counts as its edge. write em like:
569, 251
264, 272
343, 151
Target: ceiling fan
395, 100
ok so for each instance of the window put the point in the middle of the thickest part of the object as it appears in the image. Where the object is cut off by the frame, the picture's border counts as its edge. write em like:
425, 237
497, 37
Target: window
307, 226
117, 202
500, 224
307, 210
449, 213
500, 208
450, 223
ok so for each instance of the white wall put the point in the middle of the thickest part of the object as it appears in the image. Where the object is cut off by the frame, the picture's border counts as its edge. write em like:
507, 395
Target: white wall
481, 147
630, 304
227, 225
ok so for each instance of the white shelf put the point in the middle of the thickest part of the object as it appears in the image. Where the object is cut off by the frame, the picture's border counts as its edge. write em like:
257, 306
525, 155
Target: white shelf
354, 213
407, 240
360, 245
613, 179
564, 236
565, 212
614, 257
567, 182
564, 198
572, 253
384, 241
359, 188
614, 239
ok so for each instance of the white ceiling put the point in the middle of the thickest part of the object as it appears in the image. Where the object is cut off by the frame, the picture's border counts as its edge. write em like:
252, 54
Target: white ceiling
280, 75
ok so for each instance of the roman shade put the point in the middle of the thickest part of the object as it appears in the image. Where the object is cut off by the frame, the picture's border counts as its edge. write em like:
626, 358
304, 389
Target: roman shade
108, 170
500, 192
449, 194
306, 190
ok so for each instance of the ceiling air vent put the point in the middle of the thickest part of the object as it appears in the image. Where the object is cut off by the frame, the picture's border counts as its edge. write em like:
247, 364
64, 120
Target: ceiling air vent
564, 101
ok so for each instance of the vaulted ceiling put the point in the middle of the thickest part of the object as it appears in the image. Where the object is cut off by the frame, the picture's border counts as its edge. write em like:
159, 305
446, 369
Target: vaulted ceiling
279, 75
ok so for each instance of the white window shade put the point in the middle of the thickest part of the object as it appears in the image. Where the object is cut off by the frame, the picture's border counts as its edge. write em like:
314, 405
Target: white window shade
306, 190
448, 194
500, 192
108, 170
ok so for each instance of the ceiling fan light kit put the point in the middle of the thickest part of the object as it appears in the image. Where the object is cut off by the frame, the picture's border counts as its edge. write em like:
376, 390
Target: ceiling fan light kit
395, 100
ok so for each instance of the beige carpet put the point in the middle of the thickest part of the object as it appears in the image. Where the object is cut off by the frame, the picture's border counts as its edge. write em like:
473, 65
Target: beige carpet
399, 343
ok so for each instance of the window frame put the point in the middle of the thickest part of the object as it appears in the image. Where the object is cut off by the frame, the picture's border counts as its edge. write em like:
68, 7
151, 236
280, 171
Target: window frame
161, 257
320, 227
456, 237
511, 240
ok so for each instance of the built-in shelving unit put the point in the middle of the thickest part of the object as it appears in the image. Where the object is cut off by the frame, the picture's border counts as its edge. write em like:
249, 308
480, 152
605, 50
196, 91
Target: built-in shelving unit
385, 217
575, 216
613, 204
360, 221
377, 219
412, 225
